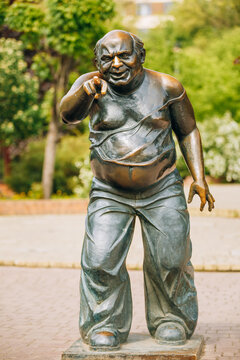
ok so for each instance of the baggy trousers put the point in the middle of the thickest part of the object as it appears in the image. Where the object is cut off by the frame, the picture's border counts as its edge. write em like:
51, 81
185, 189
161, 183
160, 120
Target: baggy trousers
105, 294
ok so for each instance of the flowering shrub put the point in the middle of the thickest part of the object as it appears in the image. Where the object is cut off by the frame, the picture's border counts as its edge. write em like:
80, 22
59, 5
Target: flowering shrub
84, 178
221, 144
221, 149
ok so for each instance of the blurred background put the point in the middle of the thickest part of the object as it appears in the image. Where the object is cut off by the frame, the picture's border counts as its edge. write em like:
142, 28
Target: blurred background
45, 45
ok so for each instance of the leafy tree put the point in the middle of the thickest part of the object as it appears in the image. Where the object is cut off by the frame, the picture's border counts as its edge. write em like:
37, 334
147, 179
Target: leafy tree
211, 75
204, 17
160, 49
207, 62
59, 35
19, 109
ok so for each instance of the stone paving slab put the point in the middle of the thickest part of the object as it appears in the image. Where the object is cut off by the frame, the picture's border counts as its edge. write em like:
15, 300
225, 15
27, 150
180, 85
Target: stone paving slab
39, 312
56, 240
226, 195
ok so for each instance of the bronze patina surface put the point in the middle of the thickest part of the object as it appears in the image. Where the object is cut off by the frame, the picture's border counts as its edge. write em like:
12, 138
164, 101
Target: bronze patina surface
139, 347
133, 112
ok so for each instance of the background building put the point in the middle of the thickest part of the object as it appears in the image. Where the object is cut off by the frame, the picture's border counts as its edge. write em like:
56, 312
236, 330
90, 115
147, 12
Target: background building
146, 14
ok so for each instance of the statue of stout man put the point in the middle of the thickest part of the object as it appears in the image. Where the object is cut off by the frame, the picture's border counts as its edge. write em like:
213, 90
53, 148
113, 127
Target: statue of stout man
132, 112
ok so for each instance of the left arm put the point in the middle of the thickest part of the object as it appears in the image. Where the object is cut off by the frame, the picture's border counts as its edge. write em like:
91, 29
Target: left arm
184, 126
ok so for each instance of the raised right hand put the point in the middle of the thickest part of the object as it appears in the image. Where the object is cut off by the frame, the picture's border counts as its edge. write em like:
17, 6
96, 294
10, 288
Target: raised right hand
96, 87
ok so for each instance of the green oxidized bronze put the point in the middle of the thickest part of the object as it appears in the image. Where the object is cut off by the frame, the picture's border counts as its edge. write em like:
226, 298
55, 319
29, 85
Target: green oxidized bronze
132, 112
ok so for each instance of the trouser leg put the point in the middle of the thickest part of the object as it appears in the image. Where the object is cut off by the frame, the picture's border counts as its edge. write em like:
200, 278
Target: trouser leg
105, 294
170, 293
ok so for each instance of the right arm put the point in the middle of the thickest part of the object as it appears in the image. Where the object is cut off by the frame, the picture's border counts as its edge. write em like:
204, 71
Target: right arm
75, 105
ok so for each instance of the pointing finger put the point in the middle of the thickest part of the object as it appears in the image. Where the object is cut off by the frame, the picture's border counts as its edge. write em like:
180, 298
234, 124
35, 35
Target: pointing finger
104, 88
97, 81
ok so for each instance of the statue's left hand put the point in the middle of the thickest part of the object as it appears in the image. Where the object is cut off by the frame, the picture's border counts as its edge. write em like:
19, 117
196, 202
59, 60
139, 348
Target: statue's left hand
201, 188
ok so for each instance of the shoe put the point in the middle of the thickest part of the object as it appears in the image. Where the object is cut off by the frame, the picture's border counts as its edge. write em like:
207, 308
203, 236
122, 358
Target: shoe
104, 341
170, 333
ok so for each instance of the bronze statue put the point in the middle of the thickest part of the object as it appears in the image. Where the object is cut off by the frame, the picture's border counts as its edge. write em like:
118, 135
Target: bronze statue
132, 112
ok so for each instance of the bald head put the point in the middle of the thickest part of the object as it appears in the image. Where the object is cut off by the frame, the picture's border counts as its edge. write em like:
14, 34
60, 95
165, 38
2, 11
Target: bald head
121, 35
119, 58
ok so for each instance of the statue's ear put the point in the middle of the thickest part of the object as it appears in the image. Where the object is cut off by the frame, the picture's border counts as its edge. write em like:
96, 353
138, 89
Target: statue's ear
143, 55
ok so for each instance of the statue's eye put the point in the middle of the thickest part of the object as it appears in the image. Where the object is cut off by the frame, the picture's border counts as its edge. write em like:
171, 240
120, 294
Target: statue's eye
106, 58
124, 56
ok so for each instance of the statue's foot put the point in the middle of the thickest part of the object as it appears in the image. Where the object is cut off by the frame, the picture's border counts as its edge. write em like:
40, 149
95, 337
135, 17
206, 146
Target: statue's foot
104, 341
170, 333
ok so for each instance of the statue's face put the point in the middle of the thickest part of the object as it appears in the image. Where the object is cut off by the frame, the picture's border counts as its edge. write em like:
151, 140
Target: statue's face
117, 60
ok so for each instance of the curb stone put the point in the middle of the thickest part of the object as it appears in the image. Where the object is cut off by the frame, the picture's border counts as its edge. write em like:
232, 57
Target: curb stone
63, 265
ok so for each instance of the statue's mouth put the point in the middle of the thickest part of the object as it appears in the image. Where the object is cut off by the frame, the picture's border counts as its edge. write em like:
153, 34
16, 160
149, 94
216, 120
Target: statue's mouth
119, 75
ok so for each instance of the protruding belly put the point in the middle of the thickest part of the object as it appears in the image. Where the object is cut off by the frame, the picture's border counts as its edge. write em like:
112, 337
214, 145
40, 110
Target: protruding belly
132, 177
134, 157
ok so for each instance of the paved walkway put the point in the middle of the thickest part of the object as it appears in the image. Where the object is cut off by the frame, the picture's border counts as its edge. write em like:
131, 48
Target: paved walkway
39, 312
55, 240
39, 307
227, 196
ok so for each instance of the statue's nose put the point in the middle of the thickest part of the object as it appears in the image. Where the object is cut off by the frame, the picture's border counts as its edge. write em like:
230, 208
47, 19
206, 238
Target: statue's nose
116, 62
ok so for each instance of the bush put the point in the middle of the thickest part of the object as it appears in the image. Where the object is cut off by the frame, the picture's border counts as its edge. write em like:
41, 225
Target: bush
71, 162
221, 144
19, 104
27, 168
72, 154
84, 178
221, 149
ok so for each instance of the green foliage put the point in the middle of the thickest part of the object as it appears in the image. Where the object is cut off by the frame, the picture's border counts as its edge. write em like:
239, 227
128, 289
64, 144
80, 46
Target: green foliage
27, 17
221, 148
59, 31
160, 49
210, 76
67, 27
59, 36
84, 178
26, 169
209, 69
44, 66
1, 166
19, 109
71, 167
77, 24
70, 151
202, 17
221, 139
3, 9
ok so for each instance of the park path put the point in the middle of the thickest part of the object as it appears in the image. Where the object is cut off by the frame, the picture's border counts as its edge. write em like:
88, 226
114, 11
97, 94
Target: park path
56, 240
39, 312
39, 306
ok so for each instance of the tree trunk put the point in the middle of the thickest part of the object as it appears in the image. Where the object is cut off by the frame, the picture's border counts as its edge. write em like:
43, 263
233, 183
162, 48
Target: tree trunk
61, 79
49, 158
6, 161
